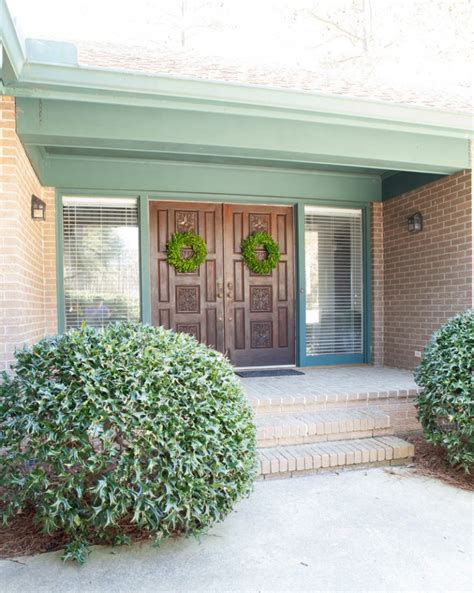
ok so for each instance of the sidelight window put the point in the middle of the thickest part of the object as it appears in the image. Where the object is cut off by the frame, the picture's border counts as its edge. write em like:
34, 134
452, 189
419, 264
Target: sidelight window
101, 260
334, 298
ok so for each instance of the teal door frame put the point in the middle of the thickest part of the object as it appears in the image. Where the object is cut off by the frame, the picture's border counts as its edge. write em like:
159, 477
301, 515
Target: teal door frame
300, 300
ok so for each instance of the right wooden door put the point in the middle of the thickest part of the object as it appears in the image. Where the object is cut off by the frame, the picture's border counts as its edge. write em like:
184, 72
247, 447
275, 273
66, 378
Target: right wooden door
259, 310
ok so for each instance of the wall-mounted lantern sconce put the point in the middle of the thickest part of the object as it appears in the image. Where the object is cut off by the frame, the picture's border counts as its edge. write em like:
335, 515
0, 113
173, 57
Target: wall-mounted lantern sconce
38, 208
415, 223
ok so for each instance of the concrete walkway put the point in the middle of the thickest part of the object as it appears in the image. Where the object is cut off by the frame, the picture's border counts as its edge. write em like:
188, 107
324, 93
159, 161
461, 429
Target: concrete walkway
356, 531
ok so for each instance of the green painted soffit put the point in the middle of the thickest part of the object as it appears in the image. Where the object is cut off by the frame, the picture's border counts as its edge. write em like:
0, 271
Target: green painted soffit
54, 124
188, 179
68, 151
393, 183
400, 183
107, 172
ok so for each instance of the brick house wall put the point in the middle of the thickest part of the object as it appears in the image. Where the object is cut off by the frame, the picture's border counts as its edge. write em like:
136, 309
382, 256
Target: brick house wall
426, 277
27, 247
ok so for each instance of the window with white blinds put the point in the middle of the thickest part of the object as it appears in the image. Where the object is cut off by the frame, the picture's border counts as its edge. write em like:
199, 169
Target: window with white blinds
101, 260
333, 263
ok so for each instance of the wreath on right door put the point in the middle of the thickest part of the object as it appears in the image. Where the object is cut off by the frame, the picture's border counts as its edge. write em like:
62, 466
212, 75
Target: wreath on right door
180, 241
249, 255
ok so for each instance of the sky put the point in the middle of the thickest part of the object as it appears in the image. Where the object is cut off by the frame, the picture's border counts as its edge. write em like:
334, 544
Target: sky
427, 43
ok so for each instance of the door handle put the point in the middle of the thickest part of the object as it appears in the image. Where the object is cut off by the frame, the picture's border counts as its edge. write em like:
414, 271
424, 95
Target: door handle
219, 295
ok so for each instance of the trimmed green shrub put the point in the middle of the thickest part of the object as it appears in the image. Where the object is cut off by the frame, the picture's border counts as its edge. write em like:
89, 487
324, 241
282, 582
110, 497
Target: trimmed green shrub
125, 425
446, 404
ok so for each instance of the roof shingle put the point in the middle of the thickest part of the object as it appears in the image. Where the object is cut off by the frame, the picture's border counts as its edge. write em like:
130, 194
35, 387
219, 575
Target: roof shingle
187, 64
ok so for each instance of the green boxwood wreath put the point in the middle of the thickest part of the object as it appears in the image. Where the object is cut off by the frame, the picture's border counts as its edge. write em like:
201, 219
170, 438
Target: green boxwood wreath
180, 241
250, 244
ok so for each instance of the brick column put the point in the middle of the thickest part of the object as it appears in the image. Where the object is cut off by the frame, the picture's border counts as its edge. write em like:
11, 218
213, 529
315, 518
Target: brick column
377, 263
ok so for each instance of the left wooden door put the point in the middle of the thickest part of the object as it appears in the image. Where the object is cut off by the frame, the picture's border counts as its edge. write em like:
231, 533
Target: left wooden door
190, 302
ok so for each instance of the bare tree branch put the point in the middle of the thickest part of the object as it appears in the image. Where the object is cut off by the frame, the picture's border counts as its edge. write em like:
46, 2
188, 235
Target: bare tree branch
336, 26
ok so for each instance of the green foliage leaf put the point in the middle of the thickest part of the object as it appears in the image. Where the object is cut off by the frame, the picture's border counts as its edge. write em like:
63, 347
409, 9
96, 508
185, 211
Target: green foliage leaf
127, 424
446, 403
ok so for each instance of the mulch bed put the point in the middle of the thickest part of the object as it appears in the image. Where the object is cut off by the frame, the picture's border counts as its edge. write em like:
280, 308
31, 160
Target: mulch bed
22, 537
431, 461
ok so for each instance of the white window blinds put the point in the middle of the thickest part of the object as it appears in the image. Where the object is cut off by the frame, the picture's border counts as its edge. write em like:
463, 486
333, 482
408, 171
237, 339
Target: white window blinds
101, 260
333, 261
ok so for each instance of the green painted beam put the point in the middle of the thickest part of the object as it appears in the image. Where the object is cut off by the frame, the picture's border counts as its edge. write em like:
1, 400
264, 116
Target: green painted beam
64, 151
76, 124
62, 123
103, 85
207, 179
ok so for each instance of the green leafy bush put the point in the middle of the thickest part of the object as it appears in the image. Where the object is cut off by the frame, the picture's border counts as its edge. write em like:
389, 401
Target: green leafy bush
126, 425
446, 404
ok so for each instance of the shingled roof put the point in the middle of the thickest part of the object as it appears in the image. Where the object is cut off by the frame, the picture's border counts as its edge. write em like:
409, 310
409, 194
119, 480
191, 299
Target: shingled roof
192, 65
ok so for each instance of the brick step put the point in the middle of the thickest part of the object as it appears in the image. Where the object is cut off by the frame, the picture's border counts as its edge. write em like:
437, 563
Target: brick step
274, 404
299, 459
311, 427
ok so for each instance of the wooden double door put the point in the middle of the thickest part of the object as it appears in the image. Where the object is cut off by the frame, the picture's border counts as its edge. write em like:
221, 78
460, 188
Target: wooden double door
248, 316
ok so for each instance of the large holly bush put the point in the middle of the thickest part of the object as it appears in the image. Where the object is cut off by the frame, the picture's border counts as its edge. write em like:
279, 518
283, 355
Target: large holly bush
126, 425
446, 404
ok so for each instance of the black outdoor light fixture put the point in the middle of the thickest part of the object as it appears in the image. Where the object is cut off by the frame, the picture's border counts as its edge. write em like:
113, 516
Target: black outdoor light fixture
38, 208
415, 223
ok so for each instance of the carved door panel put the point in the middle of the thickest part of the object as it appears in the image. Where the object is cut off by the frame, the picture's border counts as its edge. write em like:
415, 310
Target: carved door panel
188, 302
259, 310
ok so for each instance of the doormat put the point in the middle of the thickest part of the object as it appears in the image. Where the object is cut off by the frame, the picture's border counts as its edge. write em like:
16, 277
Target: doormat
268, 373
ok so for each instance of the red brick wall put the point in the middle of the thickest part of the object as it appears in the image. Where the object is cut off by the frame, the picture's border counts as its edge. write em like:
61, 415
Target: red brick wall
427, 276
27, 247
377, 264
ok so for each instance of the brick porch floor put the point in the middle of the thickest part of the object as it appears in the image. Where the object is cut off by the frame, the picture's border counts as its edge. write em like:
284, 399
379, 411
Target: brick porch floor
331, 385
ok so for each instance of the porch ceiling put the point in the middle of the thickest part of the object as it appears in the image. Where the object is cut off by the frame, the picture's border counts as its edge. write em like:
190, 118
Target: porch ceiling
91, 134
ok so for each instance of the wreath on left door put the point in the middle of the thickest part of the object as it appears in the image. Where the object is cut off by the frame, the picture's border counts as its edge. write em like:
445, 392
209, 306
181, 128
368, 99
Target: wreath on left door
180, 241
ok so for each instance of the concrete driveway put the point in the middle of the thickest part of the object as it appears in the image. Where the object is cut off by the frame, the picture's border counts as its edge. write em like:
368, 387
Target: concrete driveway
356, 531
